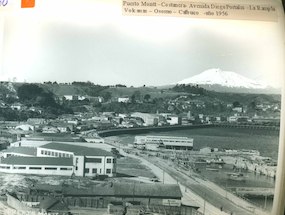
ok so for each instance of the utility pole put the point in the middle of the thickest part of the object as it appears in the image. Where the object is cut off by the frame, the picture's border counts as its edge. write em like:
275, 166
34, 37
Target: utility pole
226, 189
265, 201
204, 209
163, 176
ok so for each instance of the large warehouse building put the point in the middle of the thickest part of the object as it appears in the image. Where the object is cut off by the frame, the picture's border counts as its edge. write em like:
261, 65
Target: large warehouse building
58, 159
163, 142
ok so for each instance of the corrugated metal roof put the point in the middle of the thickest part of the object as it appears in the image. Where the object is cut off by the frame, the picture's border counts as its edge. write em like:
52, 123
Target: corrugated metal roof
51, 204
22, 150
47, 187
146, 190
101, 190
129, 190
40, 161
77, 150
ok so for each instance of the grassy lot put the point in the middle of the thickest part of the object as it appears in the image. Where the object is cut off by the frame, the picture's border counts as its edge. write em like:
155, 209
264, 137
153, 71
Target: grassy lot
133, 167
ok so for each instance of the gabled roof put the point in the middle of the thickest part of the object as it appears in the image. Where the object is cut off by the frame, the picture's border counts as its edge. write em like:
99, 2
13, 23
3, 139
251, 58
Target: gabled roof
146, 190
77, 150
47, 188
51, 204
100, 190
39, 161
129, 190
22, 150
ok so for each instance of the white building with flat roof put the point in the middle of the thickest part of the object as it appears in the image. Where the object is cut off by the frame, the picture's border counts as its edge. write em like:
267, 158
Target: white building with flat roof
19, 151
148, 118
163, 142
87, 161
58, 159
37, 165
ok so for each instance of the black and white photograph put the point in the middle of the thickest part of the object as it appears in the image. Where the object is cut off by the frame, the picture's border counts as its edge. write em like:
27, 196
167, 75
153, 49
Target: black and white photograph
109, 114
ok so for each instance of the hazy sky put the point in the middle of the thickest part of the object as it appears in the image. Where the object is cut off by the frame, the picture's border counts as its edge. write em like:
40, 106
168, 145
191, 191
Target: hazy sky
65, 41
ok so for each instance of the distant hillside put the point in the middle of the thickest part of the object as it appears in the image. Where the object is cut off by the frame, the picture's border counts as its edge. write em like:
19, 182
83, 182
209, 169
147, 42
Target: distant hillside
204, 95
227, 81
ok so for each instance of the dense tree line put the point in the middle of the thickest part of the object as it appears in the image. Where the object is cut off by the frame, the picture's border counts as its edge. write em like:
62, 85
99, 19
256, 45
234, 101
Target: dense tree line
36, 96
32, 94
189, 89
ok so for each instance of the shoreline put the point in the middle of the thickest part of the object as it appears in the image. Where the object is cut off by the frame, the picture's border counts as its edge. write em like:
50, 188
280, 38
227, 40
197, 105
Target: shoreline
145, 130
187, 181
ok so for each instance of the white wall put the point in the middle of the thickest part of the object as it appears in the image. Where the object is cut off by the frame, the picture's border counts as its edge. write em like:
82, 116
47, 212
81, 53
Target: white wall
172, 120
94, 140
79, 164
52, 153
42, 171
102, 168
29, 143
4, 154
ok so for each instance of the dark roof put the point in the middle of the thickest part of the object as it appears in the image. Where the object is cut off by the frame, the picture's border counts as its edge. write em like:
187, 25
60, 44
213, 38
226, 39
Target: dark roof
129, 190
146, 190
99, 190
51, 204
22, 150
50, 161
62, 137
47, 188
77, 150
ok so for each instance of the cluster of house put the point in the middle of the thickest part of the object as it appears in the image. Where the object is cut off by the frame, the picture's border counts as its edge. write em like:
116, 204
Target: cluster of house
81, 122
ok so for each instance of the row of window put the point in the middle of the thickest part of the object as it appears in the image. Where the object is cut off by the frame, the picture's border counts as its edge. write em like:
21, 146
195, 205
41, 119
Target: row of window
99, 160
36, 168
171, 141
55, 154
4, 167
94, 170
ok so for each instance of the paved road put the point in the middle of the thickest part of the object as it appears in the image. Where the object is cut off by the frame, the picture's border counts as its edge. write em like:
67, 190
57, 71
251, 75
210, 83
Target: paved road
189, 198
197, 191
209, 191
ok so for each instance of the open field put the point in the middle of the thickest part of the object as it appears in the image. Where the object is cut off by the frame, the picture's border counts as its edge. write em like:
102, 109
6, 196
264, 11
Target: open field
133, 167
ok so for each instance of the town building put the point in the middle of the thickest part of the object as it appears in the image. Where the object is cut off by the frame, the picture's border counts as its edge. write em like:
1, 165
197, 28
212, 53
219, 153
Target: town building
149, 119
173, 120
94, 139
25, 127
146, 194
36, 121
19, 151
163, 142
58, 159
103, 198
124, 99
17, 106
50, 130
37, 165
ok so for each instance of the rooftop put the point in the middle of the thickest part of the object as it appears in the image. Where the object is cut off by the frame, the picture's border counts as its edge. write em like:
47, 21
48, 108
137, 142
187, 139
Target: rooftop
77, 150
55, 137
22, 150
145, 190
47, 188
39, 161
129, 189
51, 204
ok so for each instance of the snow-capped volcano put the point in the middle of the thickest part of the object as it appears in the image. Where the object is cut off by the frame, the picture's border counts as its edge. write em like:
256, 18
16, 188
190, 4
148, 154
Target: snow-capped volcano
223, 79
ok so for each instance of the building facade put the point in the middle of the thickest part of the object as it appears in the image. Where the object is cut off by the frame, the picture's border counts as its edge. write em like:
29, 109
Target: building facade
163, 142
58, 159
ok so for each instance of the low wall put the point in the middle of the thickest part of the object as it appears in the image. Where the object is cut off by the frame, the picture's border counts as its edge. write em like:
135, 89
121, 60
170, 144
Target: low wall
143, 130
